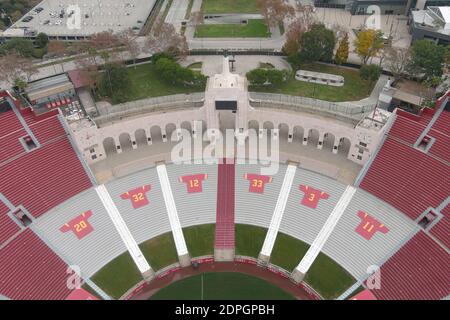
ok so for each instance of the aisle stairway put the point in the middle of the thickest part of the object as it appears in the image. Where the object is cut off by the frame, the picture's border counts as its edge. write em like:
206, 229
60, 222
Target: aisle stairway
225, 241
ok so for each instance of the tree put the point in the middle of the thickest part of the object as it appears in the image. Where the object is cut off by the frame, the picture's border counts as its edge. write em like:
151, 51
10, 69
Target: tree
13, 66
342, 50
27, 67
276, 77
173, 73
368, 43
56, 48
128, 38
41, 40
164, 38
304, 19
196, 18
9, 66
427, 59
103, 40
398, 60
274, 11
370, 72
317, 44
24, 47
257, 77
16, 15
20, 83
115, 83
90, 72
293, 35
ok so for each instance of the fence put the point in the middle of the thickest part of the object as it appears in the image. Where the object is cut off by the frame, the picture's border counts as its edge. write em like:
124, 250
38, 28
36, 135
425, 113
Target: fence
165, 103
310, 104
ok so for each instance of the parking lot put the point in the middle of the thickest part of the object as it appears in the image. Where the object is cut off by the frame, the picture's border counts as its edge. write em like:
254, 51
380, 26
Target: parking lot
63, 18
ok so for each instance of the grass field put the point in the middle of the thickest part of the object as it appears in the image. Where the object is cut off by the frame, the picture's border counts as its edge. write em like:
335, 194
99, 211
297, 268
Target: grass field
118, 276
222, 286
325, 276
200, 239
255, 28
249, 240
147, 83
353, 89
229, 6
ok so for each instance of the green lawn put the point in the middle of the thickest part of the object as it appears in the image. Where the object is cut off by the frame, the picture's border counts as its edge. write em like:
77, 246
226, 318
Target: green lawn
146, 83
325, 275
249, 240
160, 251
229, 6
200, 239
255, 28
353, 89
288, 251
222, 286
118, 276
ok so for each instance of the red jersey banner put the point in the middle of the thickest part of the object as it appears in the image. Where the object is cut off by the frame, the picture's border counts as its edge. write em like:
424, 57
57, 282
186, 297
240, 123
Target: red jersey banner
80, 225
312, 196
194, 182
369, 226
137, 196
257, 182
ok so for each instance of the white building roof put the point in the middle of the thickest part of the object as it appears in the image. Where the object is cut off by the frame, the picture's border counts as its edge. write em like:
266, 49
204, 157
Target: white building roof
445, 13
88, 17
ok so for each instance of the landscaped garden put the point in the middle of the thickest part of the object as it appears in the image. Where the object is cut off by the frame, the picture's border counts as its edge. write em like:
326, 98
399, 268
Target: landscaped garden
355, 88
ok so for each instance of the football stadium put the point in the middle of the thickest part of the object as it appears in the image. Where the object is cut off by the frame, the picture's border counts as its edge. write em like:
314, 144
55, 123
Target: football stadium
226, 191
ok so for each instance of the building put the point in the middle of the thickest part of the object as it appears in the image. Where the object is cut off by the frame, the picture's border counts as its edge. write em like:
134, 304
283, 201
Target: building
63, 20
432, 23
357, 7
51, 93
348, 131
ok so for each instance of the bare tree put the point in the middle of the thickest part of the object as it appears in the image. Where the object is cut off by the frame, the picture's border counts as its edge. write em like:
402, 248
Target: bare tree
28, 68
196, 18
398, 60
128, 39
275, 11
15, 67
302, 23
9, 65
56, 48
164, 38
306, 14
103, 40
89, 70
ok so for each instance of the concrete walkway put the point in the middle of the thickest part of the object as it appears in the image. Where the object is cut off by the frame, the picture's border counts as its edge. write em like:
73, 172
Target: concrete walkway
177, 13
196, 6
373, 98
212, 65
